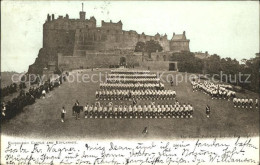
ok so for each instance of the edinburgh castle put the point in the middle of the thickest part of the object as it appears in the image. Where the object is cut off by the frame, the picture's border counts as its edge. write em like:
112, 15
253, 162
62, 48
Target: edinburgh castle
79, 43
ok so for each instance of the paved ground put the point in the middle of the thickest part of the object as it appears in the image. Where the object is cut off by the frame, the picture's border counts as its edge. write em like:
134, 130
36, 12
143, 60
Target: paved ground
42, 119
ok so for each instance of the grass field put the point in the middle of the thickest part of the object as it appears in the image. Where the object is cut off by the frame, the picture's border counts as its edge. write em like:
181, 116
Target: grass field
42, 119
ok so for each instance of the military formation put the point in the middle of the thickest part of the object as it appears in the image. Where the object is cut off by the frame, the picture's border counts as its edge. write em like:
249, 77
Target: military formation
114, 75
11, 108
223, 91
216, 91
10, 89
135, 94
245, 103
134, 85
138, 111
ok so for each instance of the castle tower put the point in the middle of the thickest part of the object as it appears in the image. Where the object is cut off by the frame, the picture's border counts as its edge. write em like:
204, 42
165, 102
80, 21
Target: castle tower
82, 14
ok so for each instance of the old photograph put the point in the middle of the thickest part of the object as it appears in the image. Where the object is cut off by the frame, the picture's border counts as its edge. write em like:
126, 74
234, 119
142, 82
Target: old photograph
131, 71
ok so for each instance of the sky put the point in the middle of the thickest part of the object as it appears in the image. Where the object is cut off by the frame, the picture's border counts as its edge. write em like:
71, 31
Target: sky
229, 29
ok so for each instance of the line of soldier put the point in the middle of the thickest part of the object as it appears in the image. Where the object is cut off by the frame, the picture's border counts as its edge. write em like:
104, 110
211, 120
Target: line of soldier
132, 86
132, 80
11, 108
138, 111
10, 89
132, 75
214, 90
137, 94
245, 103
130, 71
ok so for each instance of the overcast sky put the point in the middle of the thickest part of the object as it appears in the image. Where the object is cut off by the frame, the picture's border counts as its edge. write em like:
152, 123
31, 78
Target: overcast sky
229, 29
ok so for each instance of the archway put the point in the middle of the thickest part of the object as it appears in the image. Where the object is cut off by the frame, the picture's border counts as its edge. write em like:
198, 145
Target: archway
122, 61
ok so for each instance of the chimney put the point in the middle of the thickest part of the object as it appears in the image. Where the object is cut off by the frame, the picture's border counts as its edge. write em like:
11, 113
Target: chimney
48, 17
52, 17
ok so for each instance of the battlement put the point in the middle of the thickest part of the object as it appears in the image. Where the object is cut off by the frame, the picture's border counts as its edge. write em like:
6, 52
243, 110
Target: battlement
111, 25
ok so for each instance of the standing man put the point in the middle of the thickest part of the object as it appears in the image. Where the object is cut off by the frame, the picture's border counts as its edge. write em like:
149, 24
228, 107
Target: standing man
171, 81
63, 111
207, 111
134, 102
3, 109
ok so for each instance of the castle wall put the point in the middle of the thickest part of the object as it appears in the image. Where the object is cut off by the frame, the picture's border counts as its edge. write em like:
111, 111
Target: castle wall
155, 65
95, 60
160, 56
112, 26
179, 46
102, 39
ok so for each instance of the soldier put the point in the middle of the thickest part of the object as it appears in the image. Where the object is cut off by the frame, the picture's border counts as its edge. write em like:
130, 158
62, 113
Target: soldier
105, 112
134, 102
86, 110
246, 102
168, 111
110, 112
207, 111
130, 109
235, 102
95, 111
163, 111
91, 111
97, 95
250, 102
186, 111
238, 102
135, 111
43, 93
63, 112
243, 102
3, 109
256, 103
141, 112
181, 111
177, 111
116, 111
160, 114
100, 111
125, 111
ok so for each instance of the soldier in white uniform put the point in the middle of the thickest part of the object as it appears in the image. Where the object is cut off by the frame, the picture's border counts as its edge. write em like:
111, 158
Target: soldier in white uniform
100, 111
235, 102
250, 102
125, 110
130, 109
105, 112
86, 110
91, 111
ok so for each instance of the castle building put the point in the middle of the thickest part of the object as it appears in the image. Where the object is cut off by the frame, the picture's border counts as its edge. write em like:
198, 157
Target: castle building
73, 43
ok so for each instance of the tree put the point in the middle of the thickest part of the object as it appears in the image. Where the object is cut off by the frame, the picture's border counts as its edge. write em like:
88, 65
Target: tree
140, 46
153, 46
148, 46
